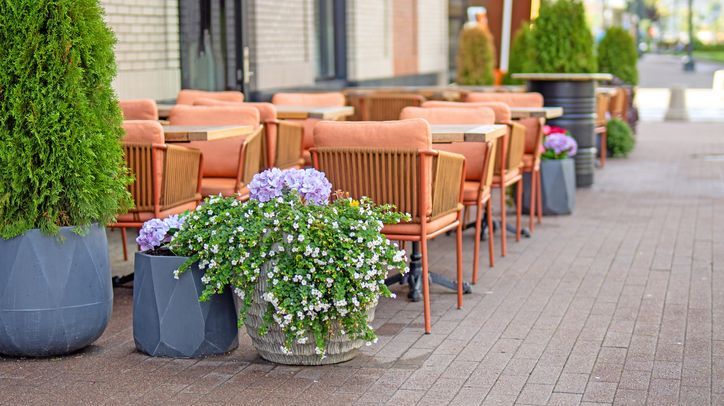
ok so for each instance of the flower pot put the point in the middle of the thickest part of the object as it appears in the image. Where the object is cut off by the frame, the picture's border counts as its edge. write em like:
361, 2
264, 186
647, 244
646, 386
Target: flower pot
169, 320
339, 347
558, 187
55, 292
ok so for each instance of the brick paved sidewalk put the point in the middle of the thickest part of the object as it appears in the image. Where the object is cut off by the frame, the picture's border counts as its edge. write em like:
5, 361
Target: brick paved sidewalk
621, 303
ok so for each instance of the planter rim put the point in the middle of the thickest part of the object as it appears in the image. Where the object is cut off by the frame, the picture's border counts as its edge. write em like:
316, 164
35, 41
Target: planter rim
563, 76
60, 230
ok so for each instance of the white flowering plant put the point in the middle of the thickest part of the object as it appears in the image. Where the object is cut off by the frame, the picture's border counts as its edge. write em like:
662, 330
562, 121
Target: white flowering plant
325, 261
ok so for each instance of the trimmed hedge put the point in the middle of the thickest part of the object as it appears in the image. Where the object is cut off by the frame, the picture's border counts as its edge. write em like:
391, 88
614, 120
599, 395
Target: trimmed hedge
520, 54
60, 123
617, 55
619, 138
561, 40
476, 57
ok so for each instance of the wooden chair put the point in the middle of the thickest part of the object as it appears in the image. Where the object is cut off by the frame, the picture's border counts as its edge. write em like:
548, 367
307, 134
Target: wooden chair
189, 96
282, 138
229, 163
533, 141
387, 106
139, 109
167, 178
330, 99
393, 162
602, 105
508, 158
479, 162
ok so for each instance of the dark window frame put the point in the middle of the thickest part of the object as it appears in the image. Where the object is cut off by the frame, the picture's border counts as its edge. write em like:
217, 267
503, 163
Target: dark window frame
339, 24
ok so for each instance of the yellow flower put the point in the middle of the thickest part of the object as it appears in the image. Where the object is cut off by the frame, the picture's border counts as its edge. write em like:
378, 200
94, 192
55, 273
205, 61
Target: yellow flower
354, 203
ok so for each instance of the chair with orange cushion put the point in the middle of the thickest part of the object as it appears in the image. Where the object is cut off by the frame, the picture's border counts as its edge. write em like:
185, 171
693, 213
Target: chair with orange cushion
139, 109
508, 158
602, 104
384, 106
533, 141
330, 99
479, 161
393, 162
229, 163
167, 178
188, 96
282, 139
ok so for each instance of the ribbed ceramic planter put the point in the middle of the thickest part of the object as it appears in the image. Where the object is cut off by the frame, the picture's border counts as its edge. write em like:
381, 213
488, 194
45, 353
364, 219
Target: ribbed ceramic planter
168, 318
55, 292
339, 347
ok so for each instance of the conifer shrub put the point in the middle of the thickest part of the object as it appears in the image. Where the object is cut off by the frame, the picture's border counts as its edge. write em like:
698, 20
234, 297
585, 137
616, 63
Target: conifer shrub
619, 138
476, 57
60, 123
617, 55
520, 54
561, 40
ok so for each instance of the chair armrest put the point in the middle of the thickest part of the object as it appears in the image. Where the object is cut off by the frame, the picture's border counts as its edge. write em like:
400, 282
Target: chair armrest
516, 147
448, 177
289, 145
181, 176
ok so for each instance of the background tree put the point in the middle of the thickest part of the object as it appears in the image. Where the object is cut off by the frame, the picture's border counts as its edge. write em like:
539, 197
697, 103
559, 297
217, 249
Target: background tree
60, 124
476, 56
520, 54
617, 55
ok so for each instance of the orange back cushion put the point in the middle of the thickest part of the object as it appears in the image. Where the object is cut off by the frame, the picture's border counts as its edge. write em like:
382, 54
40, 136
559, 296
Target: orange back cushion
531, 99
502, 111
188, 96
139, 109
309, 99
414, 133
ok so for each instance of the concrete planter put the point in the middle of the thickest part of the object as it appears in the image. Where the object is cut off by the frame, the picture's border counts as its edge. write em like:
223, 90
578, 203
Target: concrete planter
169, 320
558, 187
55, 292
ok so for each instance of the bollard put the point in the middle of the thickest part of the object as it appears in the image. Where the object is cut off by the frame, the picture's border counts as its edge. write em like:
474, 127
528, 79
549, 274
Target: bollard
718, 83
677, 104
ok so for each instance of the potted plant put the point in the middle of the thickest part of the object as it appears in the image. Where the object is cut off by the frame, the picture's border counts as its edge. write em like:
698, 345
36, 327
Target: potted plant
476, 54
619, 138
561, 66
558, 172
169, 320
63, 175
307, 272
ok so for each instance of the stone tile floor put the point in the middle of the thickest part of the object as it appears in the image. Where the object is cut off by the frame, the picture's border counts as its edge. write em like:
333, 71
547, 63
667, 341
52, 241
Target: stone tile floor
621, 303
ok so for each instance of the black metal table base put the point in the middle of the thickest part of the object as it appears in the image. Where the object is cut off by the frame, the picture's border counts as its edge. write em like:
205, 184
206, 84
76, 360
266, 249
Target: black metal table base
414, 277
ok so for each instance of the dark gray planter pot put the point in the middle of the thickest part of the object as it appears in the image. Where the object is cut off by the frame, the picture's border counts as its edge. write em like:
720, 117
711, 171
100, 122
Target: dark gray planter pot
169, 320
55, 292
558, 185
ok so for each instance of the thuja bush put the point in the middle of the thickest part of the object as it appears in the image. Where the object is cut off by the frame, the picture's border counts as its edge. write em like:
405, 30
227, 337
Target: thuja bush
476, 57
60, 124
520, 54
561, 40
620, 139
617, 55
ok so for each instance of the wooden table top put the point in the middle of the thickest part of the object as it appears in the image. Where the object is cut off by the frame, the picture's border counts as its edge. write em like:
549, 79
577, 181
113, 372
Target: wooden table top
539, 112
187, 133
448, 133
321, 112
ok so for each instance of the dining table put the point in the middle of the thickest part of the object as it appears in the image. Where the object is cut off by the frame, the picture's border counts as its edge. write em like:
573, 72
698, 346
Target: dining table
286, 112
188, 133
518, 113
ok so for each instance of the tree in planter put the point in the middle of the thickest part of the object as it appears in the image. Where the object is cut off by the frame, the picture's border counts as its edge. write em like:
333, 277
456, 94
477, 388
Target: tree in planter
619, 138
63, 174
520, 54
617, 55
476, 56
561, 40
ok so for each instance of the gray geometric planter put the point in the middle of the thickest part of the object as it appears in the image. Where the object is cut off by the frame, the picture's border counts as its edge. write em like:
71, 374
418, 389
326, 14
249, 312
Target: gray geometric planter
169, 320
558, 184
55, 292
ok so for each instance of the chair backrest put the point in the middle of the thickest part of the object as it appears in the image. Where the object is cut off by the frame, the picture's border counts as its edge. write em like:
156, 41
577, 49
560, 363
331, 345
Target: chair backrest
221, 157
331, 99
474, 153
602, 103
388, 106
252, 158
501, 110
145, 161
188, 96
617, 106
379, 160
530, 99
139, 109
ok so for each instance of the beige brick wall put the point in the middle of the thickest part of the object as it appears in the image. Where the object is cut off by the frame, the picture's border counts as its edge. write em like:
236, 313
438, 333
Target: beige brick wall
432, 35
282, 32
147, 49
369, 39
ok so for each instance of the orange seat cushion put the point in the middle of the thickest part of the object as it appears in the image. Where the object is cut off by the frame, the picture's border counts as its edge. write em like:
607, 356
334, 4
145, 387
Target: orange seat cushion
148, 215
139, 109
223, 186
416, 229
188, 96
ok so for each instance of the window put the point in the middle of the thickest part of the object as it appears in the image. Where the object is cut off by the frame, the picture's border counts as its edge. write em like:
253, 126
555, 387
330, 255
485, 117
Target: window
330, 44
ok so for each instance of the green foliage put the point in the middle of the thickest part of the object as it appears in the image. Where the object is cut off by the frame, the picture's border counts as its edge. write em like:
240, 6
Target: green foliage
60, 124
324, 265
476, 57
620, 139
617, 55
520, 55
561, 41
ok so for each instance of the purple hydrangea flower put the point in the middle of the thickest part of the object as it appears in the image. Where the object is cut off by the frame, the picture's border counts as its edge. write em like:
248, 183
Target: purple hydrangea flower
267, 185
294, 178
174, 221
315, 187
152, 234
560, 143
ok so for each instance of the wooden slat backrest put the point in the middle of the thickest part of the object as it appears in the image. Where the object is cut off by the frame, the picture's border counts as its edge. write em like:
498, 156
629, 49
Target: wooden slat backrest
253, 156
180, 176
384, 107
139, 159
289, 144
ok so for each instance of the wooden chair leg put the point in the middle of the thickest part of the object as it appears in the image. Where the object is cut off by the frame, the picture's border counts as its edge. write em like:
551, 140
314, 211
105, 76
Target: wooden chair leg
425, 286
125, 248
540, 198
476, 239
491, 248
532, 203
518, 208
503, 242
459, 252
604, 148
